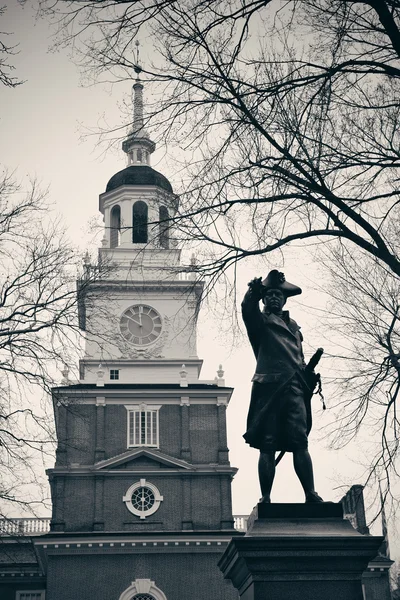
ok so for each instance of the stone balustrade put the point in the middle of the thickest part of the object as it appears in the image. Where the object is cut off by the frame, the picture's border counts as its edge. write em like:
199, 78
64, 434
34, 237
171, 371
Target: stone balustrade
41, 525
240, 522
27, 527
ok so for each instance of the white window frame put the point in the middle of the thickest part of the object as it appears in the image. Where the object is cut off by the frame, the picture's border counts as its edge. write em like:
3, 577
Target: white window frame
128, 499
143, 586
115, 371
138, 409
21, 593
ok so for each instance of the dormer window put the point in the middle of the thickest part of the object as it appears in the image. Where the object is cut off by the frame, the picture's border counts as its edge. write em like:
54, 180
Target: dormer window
143, 426
139, 222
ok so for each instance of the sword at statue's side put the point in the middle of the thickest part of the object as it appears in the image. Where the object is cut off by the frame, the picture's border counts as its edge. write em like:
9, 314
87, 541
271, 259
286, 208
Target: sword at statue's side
314, 360
313, 380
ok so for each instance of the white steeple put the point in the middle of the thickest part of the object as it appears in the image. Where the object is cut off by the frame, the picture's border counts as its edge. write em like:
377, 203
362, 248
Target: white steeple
138, 146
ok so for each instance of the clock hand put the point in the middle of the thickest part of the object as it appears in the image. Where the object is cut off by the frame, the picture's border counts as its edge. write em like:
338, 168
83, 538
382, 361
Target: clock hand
135, 321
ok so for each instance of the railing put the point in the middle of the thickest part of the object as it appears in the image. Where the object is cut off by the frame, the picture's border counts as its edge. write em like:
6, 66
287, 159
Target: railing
33, 526
240, 522
40, 526
187, 275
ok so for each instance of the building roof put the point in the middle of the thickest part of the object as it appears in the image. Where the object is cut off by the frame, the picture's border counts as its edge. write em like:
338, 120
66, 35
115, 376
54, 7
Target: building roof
139, 175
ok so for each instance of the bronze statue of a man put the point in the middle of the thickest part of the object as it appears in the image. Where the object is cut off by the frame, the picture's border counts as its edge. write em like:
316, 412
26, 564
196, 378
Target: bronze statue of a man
279, 416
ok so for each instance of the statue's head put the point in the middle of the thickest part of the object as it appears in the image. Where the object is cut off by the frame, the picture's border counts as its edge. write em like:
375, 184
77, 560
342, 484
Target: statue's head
274, 300
277, 290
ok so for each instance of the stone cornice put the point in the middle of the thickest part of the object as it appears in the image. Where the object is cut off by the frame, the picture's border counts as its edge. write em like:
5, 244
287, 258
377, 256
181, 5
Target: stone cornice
123, 543
166, 287
147, 362
92, 471
131, 394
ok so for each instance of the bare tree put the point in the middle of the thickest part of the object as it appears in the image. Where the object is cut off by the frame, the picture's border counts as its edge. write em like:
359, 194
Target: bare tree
362, 327
287, 117
7, 51
39, 331
288, 113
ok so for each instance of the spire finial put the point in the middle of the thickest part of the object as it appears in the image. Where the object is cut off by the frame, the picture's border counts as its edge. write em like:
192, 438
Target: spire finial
137, 96
65, 374
86, 265
100, 376
138, 145
137, 68
220, 376
183, 377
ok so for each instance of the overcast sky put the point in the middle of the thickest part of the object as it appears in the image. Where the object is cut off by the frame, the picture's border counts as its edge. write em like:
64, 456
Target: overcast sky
41, 126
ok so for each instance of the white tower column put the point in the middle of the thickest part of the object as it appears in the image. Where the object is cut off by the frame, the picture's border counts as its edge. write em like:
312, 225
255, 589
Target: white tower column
107, 228
126, 222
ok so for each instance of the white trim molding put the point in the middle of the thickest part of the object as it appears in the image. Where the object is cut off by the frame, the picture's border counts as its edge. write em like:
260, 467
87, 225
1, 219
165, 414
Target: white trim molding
133, 453
143, 512
142, 586
30, 595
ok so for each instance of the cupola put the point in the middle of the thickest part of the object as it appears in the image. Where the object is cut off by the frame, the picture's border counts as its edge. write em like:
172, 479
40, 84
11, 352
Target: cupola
138, 201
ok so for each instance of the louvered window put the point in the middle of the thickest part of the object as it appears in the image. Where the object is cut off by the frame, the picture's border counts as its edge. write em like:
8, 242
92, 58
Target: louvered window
30, 595
143, 427
139, 222
115, 227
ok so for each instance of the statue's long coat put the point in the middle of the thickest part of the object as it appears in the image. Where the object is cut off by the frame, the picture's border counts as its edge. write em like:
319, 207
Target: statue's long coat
277, 345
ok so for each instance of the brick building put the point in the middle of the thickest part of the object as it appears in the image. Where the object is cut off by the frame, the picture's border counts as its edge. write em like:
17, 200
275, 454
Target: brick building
141, 486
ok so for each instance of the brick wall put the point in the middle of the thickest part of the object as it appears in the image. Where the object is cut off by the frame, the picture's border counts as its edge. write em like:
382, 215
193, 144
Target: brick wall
183, 576
203, 428
204, 499
79, 503
170, 430
201, 501
376, 585
80, 432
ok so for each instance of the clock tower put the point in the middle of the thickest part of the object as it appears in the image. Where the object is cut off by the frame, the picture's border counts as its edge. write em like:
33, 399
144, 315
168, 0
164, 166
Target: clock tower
141, 487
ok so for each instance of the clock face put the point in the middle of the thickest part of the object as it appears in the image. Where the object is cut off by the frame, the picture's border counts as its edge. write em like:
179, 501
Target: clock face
140, 324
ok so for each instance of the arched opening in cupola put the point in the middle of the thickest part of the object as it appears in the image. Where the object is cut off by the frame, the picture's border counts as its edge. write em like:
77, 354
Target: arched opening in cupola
164, 227
139, 222
115, 226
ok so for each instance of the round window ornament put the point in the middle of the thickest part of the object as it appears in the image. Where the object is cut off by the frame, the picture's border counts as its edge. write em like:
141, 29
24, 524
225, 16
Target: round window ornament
143, 589
142, 499
140, 325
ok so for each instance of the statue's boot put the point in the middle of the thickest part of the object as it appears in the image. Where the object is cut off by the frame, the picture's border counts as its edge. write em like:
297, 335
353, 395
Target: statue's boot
265, 499
312, 497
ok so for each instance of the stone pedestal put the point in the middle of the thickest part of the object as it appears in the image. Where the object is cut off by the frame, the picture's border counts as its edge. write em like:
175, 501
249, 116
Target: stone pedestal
299, 552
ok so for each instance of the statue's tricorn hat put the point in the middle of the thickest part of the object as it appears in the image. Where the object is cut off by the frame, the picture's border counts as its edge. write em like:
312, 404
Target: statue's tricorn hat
275, 280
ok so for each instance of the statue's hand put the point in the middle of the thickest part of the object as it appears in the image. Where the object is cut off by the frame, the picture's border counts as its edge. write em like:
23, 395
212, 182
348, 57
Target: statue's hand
256, 288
